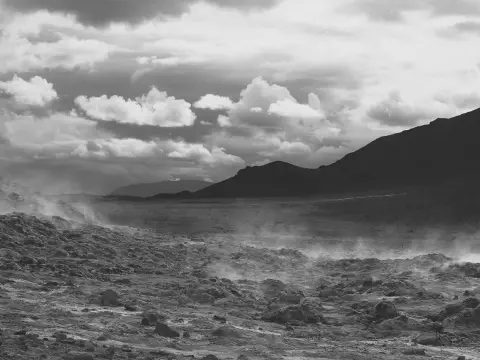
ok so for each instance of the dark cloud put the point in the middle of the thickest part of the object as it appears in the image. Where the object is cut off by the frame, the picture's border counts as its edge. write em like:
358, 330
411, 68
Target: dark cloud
103, 12
394, 10
472, 27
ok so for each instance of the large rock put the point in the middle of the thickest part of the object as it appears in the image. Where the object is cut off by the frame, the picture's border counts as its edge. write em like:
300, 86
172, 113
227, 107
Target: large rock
165, 330
150, 318
110, 298
74, 355
227, 331
308, 311
385, 310
281, 292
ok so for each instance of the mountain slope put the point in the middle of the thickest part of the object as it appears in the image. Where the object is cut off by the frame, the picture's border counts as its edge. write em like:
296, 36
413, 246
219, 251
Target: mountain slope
163, 187
446, 150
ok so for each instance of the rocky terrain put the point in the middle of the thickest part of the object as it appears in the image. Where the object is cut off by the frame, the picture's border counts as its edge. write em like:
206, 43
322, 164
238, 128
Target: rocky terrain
73, 289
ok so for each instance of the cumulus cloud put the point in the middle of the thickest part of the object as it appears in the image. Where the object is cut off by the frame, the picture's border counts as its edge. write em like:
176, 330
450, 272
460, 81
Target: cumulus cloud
214, 102
103, 12
34, 92
289, 108
268, 122
154, 108
198, 152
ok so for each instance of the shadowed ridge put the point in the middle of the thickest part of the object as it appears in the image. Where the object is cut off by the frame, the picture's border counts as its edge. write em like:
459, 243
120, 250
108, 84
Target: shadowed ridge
163, 187
441, 152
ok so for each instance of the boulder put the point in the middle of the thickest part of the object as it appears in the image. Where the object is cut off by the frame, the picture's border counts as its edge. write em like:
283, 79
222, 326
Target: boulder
308, 311
385, 310
165, 331
110, 298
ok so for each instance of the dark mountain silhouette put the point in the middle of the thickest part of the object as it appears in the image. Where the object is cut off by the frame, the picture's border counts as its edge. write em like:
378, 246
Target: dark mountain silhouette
163, 187
442, 152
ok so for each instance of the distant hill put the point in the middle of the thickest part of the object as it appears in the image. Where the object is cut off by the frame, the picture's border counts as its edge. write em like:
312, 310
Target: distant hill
163, 187
444, 151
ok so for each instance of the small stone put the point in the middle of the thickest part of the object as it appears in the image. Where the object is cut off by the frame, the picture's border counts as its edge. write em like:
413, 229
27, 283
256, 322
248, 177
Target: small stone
145, 322
461, 358
210, 357
21, 332
130, 307
165, 330
186, 335
102, 337
222, 319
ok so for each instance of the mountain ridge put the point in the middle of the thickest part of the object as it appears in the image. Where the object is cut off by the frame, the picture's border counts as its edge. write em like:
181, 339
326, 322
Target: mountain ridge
442, 151
145, 190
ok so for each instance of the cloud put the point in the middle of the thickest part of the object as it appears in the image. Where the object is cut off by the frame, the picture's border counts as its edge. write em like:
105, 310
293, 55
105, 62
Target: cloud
166, 61
268, 122
35, 92
214, 102
395, 111
103, 12
198, 152
289, 108
469, 27
154, 108
67, 53
123, 148
395, 10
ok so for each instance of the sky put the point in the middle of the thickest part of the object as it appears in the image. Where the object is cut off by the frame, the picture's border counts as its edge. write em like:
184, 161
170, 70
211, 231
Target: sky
99, 94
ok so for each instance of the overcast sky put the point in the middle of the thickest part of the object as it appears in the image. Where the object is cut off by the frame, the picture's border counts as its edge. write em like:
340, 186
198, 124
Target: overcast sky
99, 94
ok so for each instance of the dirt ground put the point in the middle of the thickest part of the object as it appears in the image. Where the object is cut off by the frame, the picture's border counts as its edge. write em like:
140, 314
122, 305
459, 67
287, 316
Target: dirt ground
73, 289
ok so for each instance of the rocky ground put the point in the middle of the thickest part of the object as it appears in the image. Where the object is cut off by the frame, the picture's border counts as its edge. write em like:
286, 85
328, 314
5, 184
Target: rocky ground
72, 289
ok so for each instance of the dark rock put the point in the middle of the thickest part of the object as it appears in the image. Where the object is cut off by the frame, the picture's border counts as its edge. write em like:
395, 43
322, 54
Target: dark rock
220, 318
130, 307
21, 332
227, 331
303, 313
461, 358
145, 322
186, 335
123, 281
210, 357
418, 352
74, 355
428, 340
385, 310
165, 330
110, 298
152, 318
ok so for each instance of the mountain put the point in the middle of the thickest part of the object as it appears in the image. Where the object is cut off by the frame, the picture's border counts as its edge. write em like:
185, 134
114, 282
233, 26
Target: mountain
163, 187
442, 152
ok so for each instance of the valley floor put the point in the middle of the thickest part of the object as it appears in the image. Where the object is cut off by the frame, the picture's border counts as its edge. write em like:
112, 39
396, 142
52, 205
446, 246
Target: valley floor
210, 297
